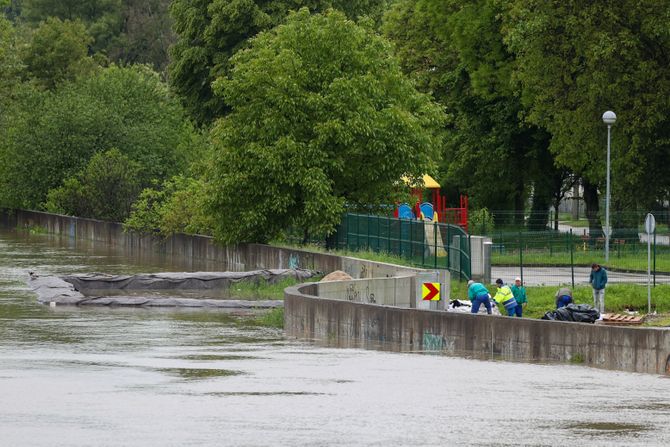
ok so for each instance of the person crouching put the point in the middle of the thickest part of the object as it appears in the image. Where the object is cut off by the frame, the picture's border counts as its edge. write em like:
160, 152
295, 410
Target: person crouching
505, 298
479, 295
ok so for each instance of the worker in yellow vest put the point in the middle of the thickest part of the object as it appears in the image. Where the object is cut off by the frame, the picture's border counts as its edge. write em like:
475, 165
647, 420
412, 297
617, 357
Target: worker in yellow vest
505, 298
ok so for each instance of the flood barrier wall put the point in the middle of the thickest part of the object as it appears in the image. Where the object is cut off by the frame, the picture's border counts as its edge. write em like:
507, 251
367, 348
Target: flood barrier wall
241, 257
344, 323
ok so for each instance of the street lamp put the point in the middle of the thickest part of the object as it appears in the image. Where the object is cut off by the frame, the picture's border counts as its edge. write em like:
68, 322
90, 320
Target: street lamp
609, 118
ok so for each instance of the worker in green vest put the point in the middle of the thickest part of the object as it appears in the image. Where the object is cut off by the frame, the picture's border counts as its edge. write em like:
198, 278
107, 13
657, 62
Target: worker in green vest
505, 298
478, 295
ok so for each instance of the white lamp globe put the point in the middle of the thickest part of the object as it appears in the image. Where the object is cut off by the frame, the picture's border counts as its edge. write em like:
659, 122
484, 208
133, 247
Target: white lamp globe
609, 117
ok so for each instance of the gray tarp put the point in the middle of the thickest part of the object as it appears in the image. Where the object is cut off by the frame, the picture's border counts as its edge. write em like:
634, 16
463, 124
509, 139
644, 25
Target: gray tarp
180, 281
66, 289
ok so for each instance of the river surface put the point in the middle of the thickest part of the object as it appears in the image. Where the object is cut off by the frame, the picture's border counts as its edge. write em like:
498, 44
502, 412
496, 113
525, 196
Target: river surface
73, 376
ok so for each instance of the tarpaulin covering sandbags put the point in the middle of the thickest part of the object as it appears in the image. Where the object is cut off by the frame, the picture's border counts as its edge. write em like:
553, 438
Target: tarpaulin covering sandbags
102, 289
581, 313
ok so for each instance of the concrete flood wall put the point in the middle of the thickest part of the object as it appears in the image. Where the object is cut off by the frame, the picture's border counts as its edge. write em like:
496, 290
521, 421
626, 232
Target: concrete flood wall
355, 324
397, 291
184, 247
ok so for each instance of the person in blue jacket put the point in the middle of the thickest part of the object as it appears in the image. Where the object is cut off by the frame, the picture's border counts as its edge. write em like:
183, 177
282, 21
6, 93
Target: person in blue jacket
479, 295
598, 280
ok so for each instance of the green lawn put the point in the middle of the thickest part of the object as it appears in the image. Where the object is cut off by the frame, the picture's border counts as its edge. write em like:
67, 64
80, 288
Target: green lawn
618, 298
636, 261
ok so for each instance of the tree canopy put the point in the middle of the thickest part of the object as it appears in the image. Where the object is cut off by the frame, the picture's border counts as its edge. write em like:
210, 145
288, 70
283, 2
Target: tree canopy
50, 136
321, 117
58, 51
609, 56
211, 31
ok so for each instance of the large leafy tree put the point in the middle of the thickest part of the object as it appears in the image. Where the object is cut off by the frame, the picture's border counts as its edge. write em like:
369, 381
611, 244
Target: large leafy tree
145, 34
211, 31
58, 51
11, 66
321, 117
101, 17
455, 50
578, 58
50, 136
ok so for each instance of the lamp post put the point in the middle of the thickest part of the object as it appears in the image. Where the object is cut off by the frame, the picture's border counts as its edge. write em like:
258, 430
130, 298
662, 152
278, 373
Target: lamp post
609, 118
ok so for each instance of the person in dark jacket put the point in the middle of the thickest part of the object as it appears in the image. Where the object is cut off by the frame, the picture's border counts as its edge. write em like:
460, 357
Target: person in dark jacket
598, 280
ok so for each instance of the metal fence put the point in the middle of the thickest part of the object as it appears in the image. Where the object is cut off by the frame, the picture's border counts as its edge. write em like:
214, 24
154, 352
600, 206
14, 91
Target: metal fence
551, 257
423, 244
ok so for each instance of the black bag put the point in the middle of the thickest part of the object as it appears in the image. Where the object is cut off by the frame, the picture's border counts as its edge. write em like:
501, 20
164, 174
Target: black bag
582, 313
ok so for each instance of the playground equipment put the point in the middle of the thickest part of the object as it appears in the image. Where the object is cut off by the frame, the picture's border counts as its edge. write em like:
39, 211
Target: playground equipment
436, 210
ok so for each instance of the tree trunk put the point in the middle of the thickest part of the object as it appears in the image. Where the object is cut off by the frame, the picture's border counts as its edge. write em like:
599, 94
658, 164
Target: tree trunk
592, 209
575, 201
539, 212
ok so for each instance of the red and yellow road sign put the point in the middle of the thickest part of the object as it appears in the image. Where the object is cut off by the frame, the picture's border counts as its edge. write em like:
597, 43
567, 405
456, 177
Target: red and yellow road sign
430, 291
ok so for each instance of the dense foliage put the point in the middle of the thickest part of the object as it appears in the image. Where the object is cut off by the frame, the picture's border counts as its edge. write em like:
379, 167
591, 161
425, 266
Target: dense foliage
211, 31
321, 116
50, 136
306, 112
105, 189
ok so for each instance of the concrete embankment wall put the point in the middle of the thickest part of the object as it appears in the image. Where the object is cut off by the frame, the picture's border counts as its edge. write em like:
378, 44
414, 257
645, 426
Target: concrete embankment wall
351, 324
184, 247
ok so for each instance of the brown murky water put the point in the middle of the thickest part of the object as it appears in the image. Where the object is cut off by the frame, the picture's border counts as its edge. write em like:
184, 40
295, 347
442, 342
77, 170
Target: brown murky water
150, 377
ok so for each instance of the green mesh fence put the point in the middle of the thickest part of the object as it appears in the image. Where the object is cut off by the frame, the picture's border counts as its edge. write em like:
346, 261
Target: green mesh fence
423, 244
563, 252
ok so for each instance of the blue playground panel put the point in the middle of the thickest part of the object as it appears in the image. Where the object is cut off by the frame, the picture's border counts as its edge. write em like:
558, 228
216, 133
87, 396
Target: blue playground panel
427, 210
405, 211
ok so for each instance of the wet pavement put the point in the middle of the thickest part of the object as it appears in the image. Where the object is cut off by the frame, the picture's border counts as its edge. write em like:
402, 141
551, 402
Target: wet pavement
73, 376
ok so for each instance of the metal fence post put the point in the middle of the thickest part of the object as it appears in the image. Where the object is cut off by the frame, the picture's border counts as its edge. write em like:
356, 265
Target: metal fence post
520, 257
449, 247
654, 258
572, 260
435, 227
367, 224
469, 257
358, 232
388, 233
379, 233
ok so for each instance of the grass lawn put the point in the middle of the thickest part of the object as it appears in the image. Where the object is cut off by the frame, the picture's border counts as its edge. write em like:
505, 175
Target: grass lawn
624, 260
618, 298
262, 289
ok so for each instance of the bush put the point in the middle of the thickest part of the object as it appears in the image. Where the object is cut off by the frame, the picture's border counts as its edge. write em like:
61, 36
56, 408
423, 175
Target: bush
105, 189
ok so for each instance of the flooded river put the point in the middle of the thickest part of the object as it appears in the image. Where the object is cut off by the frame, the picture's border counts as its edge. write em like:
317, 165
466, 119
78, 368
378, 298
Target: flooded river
149, 377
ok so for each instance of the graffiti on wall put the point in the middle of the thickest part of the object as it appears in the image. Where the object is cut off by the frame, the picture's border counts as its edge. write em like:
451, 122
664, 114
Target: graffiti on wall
294, 261
432, 342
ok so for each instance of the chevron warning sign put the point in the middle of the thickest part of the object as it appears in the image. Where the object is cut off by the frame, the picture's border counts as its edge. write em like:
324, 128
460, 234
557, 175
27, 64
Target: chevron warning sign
430, 291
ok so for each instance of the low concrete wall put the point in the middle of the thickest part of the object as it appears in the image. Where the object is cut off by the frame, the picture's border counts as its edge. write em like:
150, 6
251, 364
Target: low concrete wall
398, 291
240, 257
351, 324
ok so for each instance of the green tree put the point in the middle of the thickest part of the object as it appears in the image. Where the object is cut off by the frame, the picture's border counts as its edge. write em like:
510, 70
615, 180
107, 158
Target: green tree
176, 207
58, 51
455, 51
11, 66
321, 116
51, 136
145, 35
211, 31
105, 189
577, 59
101, 17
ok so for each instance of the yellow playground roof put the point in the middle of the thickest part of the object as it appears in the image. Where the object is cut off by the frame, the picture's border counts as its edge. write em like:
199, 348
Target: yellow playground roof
428, 182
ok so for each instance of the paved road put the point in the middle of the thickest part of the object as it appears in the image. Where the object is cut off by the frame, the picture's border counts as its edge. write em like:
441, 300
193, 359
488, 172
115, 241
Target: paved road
550, 276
